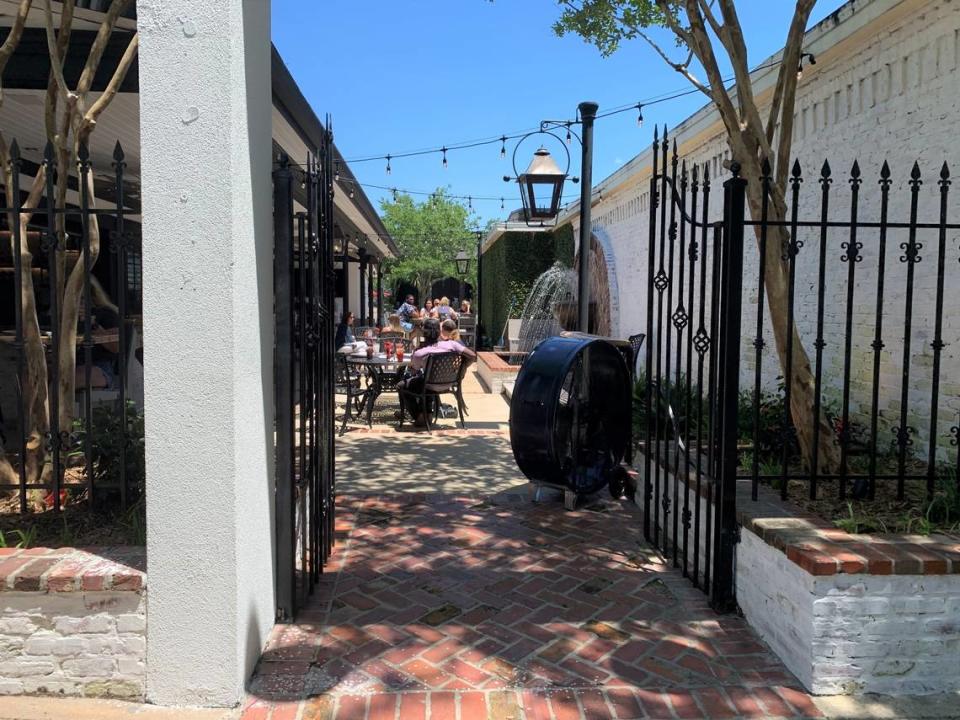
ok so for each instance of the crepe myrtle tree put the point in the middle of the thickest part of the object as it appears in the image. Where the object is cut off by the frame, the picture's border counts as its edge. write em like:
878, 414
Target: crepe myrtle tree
758, 133
70, 116
429, 235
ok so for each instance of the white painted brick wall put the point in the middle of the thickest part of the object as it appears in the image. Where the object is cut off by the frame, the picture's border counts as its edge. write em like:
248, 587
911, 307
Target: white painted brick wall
853, 634
892, 96
73, 643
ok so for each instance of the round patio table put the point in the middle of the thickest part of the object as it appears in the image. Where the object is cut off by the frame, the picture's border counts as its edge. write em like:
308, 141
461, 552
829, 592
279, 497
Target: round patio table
384, 374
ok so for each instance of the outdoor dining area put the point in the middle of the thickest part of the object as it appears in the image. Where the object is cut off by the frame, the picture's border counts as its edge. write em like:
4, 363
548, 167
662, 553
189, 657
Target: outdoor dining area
407, 371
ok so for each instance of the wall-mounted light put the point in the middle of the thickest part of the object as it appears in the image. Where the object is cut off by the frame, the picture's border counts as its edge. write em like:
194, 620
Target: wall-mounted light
810, 57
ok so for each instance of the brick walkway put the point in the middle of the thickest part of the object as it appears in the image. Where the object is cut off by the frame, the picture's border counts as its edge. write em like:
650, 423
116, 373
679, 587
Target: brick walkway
456, 608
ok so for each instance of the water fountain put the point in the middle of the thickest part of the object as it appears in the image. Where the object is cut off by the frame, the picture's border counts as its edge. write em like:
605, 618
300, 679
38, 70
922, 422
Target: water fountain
550, 308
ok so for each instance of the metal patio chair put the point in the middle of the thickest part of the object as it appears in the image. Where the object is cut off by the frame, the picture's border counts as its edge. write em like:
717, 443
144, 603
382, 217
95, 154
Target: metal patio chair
442, 375
350, 384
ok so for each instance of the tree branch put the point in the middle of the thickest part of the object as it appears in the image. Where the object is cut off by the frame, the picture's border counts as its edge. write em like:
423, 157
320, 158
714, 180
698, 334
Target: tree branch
63, 41
737, 50
705, 8
13, 38
56, 64
787, 85
90, 119
99, 45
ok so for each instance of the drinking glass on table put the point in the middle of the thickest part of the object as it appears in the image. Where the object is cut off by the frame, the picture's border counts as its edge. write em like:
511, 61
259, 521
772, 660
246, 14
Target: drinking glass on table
399, 353
388, 348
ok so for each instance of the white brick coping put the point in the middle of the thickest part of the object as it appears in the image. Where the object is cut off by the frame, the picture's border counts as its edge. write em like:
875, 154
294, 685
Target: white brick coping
73, 622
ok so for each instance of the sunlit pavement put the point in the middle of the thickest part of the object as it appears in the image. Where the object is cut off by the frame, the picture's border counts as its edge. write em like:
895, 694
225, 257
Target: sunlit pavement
452, 596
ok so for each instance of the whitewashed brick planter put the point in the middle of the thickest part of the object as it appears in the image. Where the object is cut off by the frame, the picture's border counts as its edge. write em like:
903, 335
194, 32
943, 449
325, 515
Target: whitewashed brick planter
72, 622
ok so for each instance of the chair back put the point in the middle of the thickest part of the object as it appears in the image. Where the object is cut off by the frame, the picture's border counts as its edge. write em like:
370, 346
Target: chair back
442, 369
467, 322
341, 369
636, 342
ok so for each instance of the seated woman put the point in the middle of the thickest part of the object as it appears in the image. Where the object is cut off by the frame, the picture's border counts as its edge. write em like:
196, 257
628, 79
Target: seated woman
436, 339
445, 311
393, 324
344, 334
464, 307
428, 311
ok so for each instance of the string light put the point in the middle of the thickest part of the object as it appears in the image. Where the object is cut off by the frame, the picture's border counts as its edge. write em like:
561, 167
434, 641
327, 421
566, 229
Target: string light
389, 169
503, 147
444, 151
394, 191
469, 202
501, 203
569, 136
351, 192
336, 171
640, 115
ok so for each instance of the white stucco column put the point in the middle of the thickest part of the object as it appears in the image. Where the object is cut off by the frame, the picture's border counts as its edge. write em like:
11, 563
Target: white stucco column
205, 111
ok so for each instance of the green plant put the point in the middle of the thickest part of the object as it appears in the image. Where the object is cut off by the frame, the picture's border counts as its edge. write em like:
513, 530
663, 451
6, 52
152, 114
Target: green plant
107, 441
26, 537
944, 507
135, 522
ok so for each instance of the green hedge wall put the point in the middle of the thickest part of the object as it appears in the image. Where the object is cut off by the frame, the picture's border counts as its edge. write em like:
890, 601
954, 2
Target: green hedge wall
510, 266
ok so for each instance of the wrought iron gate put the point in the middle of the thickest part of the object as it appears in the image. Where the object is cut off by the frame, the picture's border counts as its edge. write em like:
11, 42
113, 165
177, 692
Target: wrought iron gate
692, 365
695, 298
303, 367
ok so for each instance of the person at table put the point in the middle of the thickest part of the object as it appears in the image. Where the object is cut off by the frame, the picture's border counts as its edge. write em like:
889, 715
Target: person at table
393, 324
446, 312
344, 334
434, 341
464, 307
408, 313
450, 331
428, 310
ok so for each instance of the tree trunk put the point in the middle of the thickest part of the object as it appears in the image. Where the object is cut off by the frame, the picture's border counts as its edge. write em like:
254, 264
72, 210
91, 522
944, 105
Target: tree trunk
777, 290
70, 315
35, 380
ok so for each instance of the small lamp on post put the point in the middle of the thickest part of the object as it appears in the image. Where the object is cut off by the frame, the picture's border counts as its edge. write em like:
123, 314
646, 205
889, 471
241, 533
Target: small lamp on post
541, 186
463, 266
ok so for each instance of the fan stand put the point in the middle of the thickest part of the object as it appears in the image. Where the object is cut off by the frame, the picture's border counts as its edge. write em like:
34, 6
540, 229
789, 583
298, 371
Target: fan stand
570, 497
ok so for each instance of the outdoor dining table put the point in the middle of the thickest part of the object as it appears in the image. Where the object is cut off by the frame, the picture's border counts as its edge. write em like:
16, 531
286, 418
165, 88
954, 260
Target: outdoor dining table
384, 373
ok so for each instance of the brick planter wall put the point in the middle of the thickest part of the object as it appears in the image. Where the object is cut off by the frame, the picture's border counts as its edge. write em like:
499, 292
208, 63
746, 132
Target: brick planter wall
73, 622
851, 614
847, 614
493, 371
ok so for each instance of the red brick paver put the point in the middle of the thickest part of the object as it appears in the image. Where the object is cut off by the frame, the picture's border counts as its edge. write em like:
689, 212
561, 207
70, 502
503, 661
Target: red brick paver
455, 608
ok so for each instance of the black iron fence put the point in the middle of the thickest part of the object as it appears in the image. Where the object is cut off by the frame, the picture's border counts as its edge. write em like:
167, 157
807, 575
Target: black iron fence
728, 385
304, 282
70, 355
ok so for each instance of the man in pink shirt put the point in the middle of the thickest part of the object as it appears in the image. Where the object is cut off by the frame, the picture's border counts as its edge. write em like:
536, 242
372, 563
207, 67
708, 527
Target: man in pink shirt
436, 339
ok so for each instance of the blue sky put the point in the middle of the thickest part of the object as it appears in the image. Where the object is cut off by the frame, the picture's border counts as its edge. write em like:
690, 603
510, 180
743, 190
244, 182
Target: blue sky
399, 76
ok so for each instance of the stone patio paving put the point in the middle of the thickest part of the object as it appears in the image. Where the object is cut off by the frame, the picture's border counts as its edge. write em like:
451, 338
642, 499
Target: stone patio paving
451, 596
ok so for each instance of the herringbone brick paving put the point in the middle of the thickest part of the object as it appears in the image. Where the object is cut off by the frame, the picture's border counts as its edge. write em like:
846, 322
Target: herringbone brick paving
456, 608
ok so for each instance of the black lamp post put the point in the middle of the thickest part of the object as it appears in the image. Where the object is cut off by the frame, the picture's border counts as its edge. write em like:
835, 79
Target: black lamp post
541, 188
462, 261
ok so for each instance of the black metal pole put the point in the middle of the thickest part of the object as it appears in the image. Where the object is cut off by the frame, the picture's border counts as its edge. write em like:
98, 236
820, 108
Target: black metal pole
476, 291
380, 294
588, 112
283, 307
361, 286
346, 278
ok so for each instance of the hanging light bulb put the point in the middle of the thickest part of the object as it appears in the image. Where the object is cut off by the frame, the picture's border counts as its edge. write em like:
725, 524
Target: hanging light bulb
336, 171
444, 151
800, 71
469, 203
569, 136
389, 169
501, 203
394, 194
639, 115
351, 192
503, 147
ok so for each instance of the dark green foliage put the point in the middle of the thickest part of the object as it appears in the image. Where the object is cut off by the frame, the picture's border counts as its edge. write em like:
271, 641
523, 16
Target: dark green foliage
106, 440
510, 266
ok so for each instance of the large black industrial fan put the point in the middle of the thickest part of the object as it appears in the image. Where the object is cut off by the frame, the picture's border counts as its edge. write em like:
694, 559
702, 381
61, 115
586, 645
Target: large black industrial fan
570, 413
